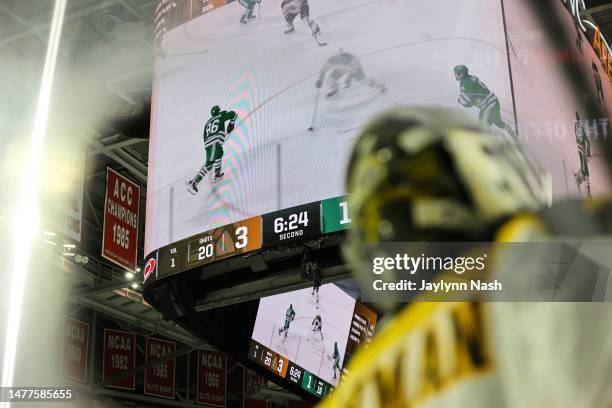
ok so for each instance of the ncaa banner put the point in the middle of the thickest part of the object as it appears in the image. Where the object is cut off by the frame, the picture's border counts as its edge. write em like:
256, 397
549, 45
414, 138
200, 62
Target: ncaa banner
75, 346
212, 378
160, 379
119, 355
252, 383
121, 216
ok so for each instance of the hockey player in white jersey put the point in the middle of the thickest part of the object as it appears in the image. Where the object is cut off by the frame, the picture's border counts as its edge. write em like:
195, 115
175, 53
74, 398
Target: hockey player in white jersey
341, 70
293, 8
317, 326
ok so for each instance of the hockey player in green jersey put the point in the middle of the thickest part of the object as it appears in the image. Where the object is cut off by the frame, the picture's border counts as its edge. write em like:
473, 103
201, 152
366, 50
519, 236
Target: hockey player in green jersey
475, 93
249, 6
336, 357
584, 153
214, 136
289, 316
597, 79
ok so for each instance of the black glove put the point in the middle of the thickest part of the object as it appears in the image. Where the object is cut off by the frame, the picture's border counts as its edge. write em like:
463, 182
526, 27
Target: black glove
319, 84
230, 127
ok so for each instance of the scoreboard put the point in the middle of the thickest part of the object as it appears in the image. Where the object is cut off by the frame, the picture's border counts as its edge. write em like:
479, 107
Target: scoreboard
288, 370
270, 230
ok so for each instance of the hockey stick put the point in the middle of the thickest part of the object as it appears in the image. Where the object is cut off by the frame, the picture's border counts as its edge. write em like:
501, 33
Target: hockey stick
314, 110
315, 34
259, 9
319, 43
187, 53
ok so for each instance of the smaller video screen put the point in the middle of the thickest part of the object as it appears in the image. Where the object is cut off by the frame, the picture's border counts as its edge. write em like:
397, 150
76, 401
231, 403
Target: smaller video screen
308, 337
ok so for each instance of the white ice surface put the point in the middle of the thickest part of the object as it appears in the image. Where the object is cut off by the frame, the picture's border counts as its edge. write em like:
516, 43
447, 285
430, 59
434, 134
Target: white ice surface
301, 345
271, 161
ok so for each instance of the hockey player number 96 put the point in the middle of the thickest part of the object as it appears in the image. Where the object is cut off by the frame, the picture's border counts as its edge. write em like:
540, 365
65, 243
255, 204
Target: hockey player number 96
212, 127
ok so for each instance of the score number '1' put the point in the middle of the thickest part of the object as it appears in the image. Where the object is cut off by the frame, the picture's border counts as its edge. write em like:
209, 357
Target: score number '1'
345, 213
242, 240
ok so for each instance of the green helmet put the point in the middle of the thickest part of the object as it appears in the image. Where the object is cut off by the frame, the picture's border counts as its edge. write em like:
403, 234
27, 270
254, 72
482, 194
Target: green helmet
461, 71
215, 110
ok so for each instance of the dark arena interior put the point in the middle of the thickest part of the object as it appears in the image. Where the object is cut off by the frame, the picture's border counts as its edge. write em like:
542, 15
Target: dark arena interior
306, 203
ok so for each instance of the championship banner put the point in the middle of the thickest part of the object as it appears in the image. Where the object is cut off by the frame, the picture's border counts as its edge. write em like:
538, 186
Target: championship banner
252, 383
119, 355
160, 379
70, 217
121, 213
75, 347
212, 378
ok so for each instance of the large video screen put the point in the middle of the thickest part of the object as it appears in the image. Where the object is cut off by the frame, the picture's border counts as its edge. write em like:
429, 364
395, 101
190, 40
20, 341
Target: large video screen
253, 115
257, 105
552, 122
307, 337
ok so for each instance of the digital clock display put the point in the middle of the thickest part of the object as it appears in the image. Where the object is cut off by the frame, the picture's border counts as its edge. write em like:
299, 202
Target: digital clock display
292, 224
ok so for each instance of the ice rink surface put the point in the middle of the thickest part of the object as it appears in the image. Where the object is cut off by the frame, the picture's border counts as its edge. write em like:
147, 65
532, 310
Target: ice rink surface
301, 345
271, 161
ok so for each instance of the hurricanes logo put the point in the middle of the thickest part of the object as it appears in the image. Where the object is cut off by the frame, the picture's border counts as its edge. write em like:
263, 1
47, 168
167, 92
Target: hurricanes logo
149, 268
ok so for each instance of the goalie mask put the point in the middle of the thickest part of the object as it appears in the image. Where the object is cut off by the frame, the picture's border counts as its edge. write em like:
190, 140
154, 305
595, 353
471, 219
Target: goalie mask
427, 175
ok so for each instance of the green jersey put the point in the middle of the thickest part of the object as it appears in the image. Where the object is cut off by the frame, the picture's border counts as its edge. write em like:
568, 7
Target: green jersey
475, 93
214, 130
290, 314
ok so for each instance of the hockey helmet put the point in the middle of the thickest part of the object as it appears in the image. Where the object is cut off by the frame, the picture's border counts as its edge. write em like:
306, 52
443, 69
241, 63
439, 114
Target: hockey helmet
215, 110
461, 71
433, 174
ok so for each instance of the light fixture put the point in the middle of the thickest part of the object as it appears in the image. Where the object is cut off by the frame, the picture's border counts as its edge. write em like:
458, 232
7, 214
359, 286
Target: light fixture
134, 285
129, 275
26, 220
69, 246
137, 269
